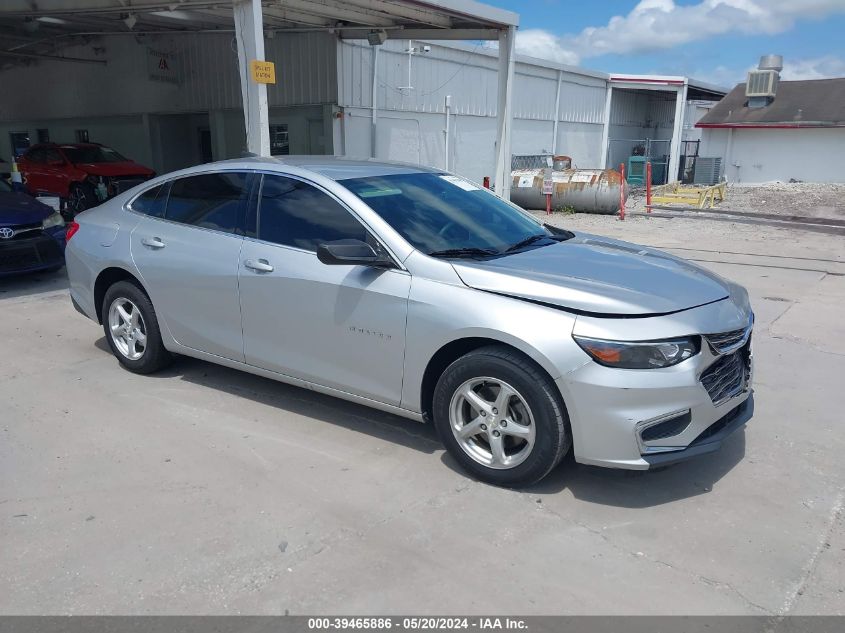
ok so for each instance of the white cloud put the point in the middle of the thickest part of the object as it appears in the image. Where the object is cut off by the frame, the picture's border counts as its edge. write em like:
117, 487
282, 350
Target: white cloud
823, 67
661, 24
818, 68
540, 43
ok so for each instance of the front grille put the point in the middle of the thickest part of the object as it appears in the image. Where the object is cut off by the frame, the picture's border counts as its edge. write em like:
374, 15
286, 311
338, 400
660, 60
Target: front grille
724, 341
727, 376
22, 254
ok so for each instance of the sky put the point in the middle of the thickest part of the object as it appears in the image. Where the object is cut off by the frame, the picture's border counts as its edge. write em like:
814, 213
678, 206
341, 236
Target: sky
716, 41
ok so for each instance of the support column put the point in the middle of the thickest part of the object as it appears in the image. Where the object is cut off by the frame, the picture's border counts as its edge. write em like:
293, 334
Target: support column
605, 131
677, 132
505, 118
557, 113
374, 119
249, 36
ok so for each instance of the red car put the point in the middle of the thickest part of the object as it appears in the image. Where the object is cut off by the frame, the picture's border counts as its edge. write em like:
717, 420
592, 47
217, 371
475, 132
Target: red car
84, 174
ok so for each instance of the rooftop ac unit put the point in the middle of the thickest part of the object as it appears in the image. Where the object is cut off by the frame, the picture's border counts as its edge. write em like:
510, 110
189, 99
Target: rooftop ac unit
761, 83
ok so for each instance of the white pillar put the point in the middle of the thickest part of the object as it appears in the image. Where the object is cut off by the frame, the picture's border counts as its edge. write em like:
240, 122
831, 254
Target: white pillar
557, 112
605, 131
677, 132
505, 120
374, 120
249, 36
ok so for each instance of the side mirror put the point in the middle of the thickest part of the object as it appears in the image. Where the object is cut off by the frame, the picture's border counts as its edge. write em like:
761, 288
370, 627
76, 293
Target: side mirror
351, 253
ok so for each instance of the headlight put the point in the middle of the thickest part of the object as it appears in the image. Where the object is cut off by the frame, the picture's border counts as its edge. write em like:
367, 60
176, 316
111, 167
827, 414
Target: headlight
640, 355
54, 219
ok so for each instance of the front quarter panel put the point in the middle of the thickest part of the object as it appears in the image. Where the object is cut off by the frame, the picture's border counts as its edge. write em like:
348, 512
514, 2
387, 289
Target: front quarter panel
440, 312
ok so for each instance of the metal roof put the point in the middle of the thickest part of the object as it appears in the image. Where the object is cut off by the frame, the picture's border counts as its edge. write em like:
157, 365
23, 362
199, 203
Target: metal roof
809, 103
40, 29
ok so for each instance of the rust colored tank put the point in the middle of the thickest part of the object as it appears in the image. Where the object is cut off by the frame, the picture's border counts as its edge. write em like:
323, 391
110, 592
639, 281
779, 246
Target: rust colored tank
586, 190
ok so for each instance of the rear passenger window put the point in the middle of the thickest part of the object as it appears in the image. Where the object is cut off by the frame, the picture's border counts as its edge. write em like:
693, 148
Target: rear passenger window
151, 202
211, 201
295, 213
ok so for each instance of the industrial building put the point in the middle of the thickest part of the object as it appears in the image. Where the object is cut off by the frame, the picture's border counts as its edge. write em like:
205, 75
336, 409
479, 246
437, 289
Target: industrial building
414, 82
768, 130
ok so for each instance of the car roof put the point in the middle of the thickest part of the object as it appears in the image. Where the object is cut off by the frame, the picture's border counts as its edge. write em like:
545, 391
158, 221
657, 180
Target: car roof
334, 167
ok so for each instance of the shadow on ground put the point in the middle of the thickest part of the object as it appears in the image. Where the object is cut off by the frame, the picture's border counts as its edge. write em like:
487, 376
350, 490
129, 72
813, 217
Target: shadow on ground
32, 284
300, 401
605, 486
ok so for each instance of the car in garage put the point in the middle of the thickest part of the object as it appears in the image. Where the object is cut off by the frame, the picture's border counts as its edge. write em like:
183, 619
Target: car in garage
414, 291
32, 234
83, 174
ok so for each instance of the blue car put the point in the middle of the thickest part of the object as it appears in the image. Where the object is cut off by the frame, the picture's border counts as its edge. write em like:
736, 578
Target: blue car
32, 234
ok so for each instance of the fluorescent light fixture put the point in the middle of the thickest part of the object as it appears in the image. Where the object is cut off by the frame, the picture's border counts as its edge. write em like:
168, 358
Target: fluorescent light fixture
46, 19
173, 15
377, 38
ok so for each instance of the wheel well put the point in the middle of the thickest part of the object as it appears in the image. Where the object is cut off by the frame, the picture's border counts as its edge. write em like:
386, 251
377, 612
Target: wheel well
447, 355
105, 280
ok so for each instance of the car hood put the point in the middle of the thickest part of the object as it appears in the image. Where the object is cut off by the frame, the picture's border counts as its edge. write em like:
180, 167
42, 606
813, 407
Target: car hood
18, 208
598, 275
123, 168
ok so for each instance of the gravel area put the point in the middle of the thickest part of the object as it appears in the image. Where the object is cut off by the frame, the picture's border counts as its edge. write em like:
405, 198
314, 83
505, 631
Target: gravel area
820, 200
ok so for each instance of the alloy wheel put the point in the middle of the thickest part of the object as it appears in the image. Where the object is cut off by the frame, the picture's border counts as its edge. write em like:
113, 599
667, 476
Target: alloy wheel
127, 327
492, 423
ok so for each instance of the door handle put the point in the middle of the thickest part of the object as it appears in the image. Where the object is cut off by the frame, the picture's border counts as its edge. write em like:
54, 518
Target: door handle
153, 242
259, 266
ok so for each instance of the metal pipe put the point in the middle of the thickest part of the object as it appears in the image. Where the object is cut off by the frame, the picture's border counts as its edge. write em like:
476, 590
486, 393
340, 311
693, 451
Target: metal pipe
622, 192
448, 107
374, 120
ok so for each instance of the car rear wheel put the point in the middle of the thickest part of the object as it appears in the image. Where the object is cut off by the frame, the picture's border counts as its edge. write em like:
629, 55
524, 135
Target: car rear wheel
81, 197
501, 417
131, 328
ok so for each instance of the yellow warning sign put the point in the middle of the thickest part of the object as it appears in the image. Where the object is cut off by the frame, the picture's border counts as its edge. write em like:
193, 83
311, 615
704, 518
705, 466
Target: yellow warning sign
263, 72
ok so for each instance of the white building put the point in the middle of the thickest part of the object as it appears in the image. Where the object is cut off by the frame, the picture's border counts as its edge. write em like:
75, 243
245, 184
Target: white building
795, 133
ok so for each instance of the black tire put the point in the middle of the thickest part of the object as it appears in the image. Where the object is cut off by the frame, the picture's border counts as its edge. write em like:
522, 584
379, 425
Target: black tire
552, 436
81, 197
154, 356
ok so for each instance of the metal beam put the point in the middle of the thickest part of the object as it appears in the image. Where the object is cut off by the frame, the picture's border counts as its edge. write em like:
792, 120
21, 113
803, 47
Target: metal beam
419, 14
507, 39
249, 36
56, 58
338, 11
27, 8
427, 34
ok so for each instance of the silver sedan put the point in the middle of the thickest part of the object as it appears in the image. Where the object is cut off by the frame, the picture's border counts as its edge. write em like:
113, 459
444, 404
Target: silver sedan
414, 291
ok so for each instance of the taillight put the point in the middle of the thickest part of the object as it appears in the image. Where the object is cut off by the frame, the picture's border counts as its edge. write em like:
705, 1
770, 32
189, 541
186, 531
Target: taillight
72, 228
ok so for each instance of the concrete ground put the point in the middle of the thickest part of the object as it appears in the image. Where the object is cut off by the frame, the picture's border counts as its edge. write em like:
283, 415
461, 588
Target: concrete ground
205, 490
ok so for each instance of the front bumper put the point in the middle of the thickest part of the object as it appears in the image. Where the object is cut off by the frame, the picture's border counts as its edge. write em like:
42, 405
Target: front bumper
30, 254
640, 419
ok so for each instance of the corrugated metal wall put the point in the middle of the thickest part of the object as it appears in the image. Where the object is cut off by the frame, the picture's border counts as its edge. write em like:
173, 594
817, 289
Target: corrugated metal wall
203, 75
470, 76
411, 122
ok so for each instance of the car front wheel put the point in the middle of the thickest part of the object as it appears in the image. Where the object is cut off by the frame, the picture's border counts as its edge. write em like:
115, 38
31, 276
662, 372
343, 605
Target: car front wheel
501, 417
131, 328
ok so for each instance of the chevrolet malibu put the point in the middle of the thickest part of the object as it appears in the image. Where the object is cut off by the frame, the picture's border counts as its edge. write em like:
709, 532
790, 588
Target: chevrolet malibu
413, 291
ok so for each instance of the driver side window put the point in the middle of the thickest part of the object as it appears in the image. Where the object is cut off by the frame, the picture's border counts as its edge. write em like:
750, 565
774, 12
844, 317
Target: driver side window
294, 213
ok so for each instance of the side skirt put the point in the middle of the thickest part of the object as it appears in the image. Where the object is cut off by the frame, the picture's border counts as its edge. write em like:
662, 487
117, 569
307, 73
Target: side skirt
296, 382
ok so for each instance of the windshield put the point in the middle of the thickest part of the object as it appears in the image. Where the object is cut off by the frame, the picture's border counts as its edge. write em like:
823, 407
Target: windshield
93, 154
440, 213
